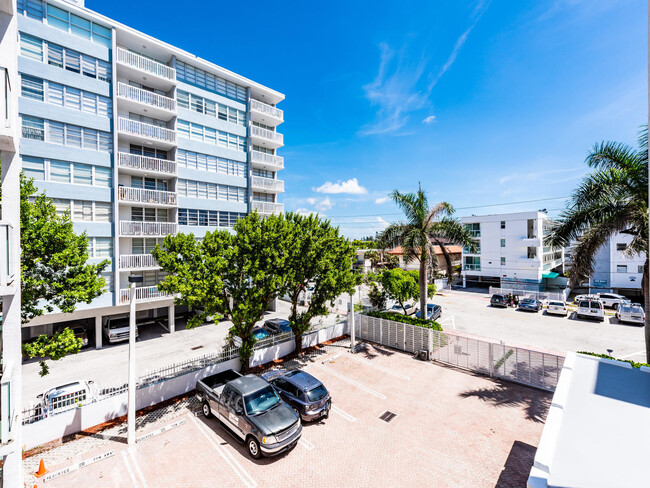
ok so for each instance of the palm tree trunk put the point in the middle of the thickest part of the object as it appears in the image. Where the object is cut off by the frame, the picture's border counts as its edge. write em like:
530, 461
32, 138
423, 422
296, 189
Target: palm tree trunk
646, 301
423, 287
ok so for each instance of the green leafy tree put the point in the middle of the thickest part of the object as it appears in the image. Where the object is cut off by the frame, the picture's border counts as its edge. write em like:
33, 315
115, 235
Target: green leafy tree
236, 275
377, 297
54, 271
403, 286
373, 256
611, 199
316, 254
391, 261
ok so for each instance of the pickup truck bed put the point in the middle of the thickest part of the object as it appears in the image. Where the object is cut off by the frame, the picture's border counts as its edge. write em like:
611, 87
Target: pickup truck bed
217, 381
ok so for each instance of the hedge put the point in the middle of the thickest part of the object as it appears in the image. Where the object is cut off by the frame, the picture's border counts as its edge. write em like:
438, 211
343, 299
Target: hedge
405, 319
633, 363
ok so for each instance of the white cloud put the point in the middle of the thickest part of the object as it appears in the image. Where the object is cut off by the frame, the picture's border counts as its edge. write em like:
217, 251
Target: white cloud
311, 201
306, 212
351, 186
381, 224
382, 200
541, 175
325, 204
429, 120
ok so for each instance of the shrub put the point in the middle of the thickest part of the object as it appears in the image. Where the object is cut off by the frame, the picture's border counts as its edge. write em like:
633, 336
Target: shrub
633, 363
395, 317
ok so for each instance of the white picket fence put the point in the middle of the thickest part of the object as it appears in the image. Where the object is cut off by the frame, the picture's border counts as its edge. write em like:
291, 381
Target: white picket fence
527, 366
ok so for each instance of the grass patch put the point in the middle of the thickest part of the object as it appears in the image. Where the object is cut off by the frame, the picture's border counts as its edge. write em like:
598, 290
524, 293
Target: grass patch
633, 363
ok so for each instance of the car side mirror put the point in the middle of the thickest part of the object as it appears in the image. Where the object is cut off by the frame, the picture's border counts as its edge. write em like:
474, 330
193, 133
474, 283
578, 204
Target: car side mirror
239, 411
39, 396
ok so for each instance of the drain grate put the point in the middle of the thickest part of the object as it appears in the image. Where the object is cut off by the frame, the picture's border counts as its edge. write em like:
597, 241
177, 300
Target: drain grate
196, 347
387, 416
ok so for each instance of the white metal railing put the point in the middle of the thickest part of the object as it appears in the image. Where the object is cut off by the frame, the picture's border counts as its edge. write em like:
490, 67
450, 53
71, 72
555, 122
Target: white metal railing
145, 64
267, 183
267, 134
145, 163
266, 109
142, 293
270, 159
7, 267
268, 207
146, 130
142, 195
145, 96
130, 228
136, 261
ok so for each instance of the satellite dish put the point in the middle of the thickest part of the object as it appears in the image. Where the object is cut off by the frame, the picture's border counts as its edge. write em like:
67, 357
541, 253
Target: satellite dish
237, 341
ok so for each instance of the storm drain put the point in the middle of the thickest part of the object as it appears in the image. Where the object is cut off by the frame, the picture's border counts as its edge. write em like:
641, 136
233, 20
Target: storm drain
387, 416
196, 347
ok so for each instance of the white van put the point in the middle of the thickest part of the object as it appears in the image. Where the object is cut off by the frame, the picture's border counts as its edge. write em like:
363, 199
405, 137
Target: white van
65, 397
591, 308
116, 329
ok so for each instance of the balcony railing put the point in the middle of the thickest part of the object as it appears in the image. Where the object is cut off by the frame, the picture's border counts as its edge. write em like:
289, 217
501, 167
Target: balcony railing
146, 130
266, 109
145, 64
130, 228
7, 266
268, 207
145, 163
269, 135
259, 182
137, 261
145, 96
141, 195
270, 159
143, 293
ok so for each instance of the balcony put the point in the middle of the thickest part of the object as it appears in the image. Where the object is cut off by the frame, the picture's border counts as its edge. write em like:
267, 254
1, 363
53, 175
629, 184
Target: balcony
148, 198
7, 266
531, 241
144, 165
138, 261
266, 138
152, 229
265, 113
136, 99
137, 67
472, 267
266, 161
141, 133
7, 135
268, 207
267, 184
143, 293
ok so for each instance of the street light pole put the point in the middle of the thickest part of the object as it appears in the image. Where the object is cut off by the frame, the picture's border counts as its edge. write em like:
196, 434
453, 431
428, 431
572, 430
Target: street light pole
352, 335
132, 386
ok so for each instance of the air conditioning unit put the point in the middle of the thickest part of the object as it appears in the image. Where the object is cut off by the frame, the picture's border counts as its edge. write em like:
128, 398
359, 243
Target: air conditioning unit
424, 355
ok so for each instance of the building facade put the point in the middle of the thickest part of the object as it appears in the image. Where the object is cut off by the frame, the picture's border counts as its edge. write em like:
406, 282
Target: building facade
615, 271
510, 252
137, 139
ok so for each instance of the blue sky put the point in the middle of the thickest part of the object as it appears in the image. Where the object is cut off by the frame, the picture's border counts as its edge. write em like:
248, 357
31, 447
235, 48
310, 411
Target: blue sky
482, 102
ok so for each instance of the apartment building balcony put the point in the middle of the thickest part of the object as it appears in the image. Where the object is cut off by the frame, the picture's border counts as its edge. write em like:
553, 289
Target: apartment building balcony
529, 262
147, 198
139, 68
8, 268
144, 293
7, 135
269, 162
267, 208
472, 267
265, 113
130, 228
531, 241
137, 100
138, 262
143, 165
266, 138
268, 185
143, 134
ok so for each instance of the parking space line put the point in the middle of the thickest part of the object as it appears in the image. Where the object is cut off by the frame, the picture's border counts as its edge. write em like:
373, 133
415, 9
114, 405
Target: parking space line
128, 468
234, 465
343, 414
352, 382
380, 368
137, 468
306, 444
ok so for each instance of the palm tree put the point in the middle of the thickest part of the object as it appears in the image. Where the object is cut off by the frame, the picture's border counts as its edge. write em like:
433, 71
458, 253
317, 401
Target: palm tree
423, 230
611, 199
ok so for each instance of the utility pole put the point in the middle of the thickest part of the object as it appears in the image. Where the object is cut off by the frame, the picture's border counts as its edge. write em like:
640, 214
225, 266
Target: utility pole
352, 337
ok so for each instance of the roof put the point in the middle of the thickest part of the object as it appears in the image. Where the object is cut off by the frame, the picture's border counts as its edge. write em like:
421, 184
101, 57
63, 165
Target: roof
597, 427
398, 251
550, 275
302, 380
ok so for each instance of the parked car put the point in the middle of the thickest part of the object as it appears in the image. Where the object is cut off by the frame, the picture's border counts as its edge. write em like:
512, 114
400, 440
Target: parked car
579, 298
612, 300
302, 391
252, 410
277, 326
116, 329
530, 305
433, 311
64, 397
557, 308
630, 313
397, 308
498, 300
591, 308
79, 332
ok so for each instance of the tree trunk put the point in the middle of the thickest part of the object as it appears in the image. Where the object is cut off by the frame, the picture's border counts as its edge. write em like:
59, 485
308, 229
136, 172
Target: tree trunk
298, 337
423, 287
646, 302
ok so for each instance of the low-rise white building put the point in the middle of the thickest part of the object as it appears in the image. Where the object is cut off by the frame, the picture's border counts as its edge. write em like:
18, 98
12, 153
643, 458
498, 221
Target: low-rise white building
511, 253
614, 270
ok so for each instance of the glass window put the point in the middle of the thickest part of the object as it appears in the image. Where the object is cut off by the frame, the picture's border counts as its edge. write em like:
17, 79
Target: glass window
621, 268
503, 224
103, 71
137, 215
34, 168
103, 212
103, 177
101, 35
60, 172
31, 47
62, 206
83, 174
80, 26
31, 8
103, 247
108, 278
183, 99
55, 132
88, 66
503, 261
640, 270
90, 139
31, 87
72, 98
33, 128
503, 243
57, 17
83, 211
621, 246
73, 136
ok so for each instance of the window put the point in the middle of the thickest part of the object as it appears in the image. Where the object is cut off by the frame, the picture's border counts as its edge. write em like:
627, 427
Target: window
210, 218
34, 168
474, 229
78, 26
31, 87
108, 278
208, 135
640, 269
503, 261
62, 206
211, 108
103, 177
33, 128
503, 224
103, 212
60, 172
103, 247
621, 246
196, 76
472, 263
65, 134
83, 211
31, 8
621, 268
83, 174
31, 47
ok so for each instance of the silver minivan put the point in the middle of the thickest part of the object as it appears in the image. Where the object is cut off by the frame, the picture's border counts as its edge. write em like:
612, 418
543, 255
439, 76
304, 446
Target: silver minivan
591, 308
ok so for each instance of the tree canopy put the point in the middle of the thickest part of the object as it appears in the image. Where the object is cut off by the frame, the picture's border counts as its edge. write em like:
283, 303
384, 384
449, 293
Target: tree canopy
403, 286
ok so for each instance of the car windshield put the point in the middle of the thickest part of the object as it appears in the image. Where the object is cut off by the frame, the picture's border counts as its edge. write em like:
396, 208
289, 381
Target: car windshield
638, 310
528, 300
261, 401
119, 324
316, 394
595, 305
584, 304
557, 304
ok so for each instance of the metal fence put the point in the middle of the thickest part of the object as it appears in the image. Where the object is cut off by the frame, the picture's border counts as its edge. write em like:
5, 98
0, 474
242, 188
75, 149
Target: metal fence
529, 367
540, 295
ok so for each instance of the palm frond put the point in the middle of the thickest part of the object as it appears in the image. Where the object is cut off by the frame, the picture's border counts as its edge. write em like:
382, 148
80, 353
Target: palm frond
608, 155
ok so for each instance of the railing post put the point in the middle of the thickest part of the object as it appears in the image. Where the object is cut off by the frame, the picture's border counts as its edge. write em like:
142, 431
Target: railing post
490, 359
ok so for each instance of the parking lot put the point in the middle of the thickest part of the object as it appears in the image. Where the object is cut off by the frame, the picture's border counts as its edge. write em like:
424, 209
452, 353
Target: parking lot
450, 428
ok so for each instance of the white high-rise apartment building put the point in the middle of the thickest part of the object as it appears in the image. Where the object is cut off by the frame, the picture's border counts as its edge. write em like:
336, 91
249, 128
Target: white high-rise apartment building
511, 253
137, 139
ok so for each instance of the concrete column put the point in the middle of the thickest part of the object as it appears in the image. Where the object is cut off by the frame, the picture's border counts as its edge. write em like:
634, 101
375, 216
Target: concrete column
171, 318
353, 342
98, 332
464, 281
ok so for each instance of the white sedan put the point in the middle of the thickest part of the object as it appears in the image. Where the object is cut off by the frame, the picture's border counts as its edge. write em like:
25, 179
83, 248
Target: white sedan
633, 314
557, 308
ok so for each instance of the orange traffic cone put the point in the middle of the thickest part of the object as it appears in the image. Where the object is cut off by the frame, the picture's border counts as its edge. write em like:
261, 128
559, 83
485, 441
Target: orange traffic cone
41, 469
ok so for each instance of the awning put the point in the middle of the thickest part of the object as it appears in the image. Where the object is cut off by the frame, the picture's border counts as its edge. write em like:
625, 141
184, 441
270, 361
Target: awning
550, 275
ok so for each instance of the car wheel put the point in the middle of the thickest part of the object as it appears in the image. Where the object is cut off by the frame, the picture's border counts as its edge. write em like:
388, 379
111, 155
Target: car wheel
207, 412
615, 306
253, 448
